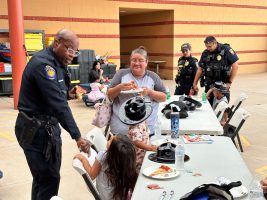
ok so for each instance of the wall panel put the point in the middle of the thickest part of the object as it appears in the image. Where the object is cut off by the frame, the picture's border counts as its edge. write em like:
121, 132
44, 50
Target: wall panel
243, 24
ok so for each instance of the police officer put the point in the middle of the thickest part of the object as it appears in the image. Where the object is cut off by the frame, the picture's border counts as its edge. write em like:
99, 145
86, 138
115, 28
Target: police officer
217, 63
187, 67
42, 106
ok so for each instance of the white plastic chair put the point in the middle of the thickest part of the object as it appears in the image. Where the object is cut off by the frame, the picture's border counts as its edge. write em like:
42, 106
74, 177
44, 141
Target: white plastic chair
242, 97
219, 110
232, 127
97, 138
77, 164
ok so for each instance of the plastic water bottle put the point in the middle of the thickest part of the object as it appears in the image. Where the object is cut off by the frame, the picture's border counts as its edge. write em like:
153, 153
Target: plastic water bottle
168, 93
204, 97
157, 129
175, 125
179, 155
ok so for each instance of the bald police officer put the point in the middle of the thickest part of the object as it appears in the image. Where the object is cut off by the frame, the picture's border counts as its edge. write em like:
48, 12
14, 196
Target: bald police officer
217, 63
42, 106
187, 67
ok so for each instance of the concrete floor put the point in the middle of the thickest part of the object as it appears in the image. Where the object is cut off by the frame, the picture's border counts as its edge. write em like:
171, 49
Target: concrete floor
16, 183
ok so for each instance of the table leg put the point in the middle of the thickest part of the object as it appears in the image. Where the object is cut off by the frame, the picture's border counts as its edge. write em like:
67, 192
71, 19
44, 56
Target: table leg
157, 68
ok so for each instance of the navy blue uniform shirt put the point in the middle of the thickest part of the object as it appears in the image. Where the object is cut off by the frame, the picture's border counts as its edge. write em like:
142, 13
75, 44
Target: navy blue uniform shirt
44, 90
229, 55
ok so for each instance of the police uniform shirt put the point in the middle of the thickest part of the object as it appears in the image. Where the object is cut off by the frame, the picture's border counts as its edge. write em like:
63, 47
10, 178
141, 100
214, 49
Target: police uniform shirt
44, 90
187, 66
230, 56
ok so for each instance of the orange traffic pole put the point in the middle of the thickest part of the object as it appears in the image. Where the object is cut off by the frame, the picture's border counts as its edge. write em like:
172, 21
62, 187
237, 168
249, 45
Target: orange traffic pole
16, 37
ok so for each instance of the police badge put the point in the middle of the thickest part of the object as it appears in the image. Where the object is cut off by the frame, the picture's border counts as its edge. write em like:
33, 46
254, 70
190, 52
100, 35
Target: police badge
50, 72
232, 51
186, 63
219, 57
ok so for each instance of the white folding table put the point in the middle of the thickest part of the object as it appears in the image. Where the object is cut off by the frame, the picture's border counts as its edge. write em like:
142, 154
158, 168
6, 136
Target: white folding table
200, 121
220, 158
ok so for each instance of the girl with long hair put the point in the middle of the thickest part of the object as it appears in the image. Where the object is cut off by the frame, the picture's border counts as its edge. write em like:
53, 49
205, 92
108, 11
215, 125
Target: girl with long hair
114, 169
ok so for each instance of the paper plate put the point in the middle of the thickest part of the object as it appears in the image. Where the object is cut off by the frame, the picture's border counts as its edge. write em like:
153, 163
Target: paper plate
149, 170
131, 91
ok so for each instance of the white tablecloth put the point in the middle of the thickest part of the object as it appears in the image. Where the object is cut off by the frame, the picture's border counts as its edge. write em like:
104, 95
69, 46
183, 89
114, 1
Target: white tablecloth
220, 158
200, 121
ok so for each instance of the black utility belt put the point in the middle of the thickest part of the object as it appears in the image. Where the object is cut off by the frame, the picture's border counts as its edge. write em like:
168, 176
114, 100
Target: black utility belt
32, 123
43, 119
46, 119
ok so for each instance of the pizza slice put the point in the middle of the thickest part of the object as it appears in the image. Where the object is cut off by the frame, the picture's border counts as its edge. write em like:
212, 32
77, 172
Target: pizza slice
134, 85
163, 169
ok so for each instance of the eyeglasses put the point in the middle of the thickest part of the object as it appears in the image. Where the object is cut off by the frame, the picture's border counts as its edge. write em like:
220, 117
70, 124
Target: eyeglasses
138, 60
71, 51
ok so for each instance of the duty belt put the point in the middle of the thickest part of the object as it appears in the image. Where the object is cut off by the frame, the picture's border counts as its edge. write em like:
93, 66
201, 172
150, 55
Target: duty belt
44, 119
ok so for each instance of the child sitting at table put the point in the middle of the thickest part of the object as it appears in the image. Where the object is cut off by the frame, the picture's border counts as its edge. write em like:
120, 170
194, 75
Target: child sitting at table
219, 90
114, 169
139, 134
134, 112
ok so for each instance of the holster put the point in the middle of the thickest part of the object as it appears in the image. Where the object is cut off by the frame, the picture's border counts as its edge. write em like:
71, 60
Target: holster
30, 127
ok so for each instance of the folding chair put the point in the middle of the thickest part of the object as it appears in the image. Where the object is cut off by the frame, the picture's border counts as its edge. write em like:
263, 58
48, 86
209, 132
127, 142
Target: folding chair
76, 163
219, 110
242, 97
97, 138
232, 127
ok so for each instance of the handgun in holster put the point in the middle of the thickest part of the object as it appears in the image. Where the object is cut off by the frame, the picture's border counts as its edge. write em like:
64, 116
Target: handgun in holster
30, 126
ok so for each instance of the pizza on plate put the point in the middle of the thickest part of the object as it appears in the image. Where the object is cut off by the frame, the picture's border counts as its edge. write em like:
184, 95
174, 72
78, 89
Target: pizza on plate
163, 169
134, 85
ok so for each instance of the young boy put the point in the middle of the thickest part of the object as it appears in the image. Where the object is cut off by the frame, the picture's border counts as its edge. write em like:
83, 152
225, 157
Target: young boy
219, 90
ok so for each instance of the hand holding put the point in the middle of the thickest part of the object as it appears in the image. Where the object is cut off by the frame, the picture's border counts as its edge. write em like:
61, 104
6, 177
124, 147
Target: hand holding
195, 87
83, 144
79, 156
125, 86
72, 93
228, 85
146, 91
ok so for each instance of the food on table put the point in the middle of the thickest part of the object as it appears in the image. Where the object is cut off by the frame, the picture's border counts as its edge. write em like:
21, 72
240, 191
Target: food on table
153, 186
163, 169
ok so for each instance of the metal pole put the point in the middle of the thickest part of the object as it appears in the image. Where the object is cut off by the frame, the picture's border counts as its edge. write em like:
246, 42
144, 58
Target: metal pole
16, 37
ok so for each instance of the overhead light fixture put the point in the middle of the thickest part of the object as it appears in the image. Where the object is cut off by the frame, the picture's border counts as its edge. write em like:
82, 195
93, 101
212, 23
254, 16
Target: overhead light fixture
123, 11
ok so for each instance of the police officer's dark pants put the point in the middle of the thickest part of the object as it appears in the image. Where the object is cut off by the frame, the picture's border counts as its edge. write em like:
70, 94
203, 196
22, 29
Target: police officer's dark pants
182, 89
46, 176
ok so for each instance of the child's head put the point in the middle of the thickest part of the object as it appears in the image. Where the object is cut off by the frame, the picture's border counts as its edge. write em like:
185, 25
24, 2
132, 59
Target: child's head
94, 77
96, 65
219, 90
121, 162
217, 93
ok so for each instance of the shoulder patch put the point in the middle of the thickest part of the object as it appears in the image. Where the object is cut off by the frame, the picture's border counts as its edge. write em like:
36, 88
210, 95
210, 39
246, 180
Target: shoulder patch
50, 72
232, 51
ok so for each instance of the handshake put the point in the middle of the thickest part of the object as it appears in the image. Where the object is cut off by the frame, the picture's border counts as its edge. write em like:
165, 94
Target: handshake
84, 145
